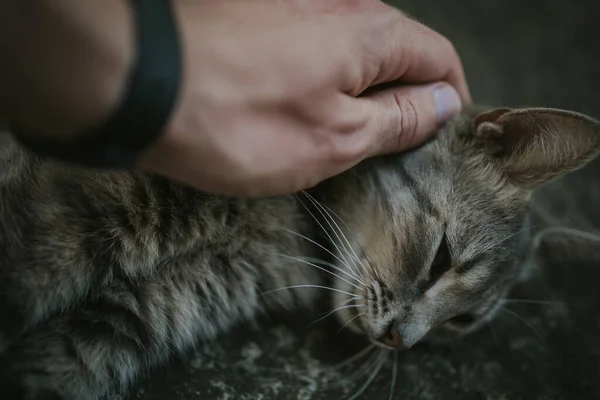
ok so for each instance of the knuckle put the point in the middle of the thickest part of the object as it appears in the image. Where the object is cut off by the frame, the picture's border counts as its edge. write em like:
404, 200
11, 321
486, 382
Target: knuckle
407, 116
343, 149
346, 123
336, 151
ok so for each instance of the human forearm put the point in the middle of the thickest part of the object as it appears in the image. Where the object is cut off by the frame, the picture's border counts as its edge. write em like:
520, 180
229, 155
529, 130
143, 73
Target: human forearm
64, 63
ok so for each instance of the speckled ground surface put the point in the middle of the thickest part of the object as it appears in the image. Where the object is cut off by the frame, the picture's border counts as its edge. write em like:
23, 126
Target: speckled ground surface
516, 52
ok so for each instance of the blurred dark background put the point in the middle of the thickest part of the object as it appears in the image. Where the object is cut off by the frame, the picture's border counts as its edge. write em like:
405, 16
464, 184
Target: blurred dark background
516, 53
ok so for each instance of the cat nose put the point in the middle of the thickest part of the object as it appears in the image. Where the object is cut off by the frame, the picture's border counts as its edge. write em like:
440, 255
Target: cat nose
393, 339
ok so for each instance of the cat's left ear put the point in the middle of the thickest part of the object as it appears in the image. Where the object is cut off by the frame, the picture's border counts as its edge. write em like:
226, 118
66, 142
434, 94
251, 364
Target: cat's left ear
536, 145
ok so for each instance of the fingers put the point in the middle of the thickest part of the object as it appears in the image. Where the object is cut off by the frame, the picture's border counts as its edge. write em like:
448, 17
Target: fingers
402, 118
413, 53
432, 57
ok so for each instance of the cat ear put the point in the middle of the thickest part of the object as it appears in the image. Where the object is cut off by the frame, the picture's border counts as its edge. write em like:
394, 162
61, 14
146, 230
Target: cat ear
536, 145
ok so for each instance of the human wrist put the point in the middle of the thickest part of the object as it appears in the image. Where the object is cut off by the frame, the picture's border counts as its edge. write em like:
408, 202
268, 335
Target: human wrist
66, 76
144, 107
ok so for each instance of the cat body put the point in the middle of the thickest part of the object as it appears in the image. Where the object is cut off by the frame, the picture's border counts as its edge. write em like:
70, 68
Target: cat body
114, 272
106, 274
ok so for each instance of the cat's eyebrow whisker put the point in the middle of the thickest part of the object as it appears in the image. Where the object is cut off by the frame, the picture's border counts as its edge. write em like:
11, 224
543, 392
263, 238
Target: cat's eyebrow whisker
328, 213
353, 358
499, 242
311, 286
349, 321
540, 302
394, 376
335, 310
517, 316
320, 246
335, 244
331, 265
381, 361
319, 268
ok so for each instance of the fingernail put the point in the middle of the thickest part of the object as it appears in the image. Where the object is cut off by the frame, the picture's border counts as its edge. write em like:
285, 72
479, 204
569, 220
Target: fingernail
447, 102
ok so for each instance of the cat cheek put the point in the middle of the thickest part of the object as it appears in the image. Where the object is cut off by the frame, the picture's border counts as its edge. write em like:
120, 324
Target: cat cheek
439, 288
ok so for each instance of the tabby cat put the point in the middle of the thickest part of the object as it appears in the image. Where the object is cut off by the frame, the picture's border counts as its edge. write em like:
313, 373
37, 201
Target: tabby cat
106, 274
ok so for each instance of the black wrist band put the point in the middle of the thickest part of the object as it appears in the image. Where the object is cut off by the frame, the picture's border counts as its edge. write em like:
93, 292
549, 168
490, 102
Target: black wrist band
148, 101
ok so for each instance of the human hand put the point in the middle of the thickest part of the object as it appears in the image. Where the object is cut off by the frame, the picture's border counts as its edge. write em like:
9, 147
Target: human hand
272, 104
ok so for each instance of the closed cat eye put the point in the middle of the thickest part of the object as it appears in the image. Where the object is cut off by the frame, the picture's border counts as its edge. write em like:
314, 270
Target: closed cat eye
441, 263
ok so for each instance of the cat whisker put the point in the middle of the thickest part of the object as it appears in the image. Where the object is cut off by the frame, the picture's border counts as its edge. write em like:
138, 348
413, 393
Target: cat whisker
394, 376
337, 231
350, 300
331, 212
364, 253
517, 316
319, 268
349, 321
565, 230
347, 301
322, 247
493, 333
331, 265
353, 358
335, 243
375, 272
326, 212
359, 372
381, 361
336, 310
312, 286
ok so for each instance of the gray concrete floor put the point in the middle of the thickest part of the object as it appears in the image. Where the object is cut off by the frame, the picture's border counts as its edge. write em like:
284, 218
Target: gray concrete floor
516, 52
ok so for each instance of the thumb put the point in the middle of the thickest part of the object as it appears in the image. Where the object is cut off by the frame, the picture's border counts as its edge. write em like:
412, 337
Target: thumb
405, 117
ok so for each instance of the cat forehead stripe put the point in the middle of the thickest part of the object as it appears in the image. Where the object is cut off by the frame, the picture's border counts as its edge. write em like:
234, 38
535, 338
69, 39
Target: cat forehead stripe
420, 196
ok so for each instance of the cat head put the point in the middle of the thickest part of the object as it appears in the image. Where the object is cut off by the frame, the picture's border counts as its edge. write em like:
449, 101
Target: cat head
427, 242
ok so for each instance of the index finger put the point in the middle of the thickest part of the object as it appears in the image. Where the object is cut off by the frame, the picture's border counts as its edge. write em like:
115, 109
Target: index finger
413, 53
